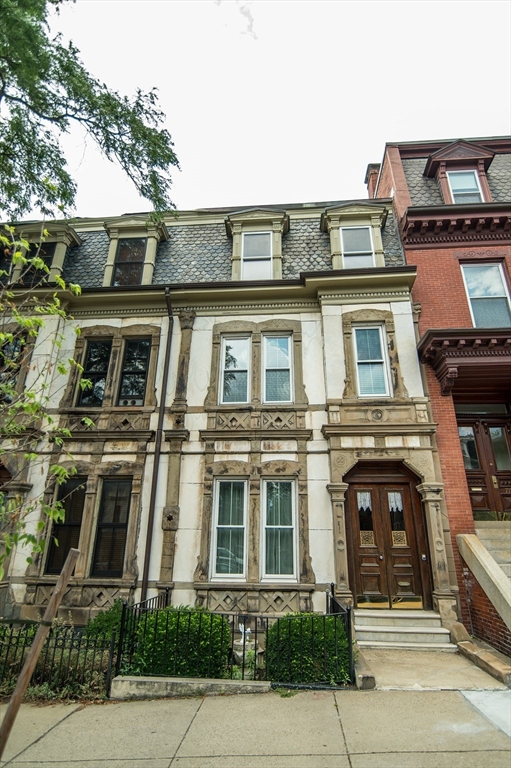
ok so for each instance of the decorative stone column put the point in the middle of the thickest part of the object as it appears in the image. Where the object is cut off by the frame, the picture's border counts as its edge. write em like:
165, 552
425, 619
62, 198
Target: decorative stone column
444, 599
186, 320
337, 493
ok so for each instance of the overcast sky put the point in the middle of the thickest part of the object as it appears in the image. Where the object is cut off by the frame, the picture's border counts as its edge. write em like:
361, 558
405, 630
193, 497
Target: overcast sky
272, 101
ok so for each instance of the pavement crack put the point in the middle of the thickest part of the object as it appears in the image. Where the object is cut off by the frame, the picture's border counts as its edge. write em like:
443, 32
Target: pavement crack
342, 731
186, 732
14, 757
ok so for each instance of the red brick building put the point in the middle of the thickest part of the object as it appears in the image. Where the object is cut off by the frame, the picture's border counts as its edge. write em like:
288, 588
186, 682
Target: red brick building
452, 202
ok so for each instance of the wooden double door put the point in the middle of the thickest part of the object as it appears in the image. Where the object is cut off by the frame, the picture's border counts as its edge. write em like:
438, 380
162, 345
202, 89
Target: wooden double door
389, 555
486, 449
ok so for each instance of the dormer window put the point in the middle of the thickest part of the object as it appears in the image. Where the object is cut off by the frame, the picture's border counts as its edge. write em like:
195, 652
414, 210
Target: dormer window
464, 186
132, 252
357, 247
257, 256
257, 243
460, 169
129, 261
355, 235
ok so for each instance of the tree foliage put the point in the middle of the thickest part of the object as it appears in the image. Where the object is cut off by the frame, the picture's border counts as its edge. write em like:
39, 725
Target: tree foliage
44, 87
27, 427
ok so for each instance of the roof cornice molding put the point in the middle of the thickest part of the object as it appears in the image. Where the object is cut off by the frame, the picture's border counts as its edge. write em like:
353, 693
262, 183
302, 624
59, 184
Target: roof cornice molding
416, 149
479, 223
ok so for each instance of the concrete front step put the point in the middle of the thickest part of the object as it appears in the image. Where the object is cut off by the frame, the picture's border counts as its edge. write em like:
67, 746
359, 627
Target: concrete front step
446, 647
414, 634
396, 618
401, 630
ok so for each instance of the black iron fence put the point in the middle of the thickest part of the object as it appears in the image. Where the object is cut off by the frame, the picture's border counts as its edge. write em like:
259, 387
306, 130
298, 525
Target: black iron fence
156, 639
334, 607
70, 664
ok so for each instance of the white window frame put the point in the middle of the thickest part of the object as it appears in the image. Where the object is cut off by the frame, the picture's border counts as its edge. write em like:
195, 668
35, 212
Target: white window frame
225, 339
357, 253
266, 577
251, 259
384, 359
478, 183
469, 298
289, 337
214, 538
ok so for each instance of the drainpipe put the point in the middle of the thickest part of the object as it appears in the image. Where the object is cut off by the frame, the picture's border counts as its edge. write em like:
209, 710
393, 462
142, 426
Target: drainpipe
157, 451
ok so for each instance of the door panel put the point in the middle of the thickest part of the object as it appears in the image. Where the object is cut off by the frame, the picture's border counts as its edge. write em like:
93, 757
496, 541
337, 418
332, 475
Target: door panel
387, 564
486, 449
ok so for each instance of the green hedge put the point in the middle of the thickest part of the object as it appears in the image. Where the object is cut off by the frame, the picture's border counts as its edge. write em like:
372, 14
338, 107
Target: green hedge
307, 648
181, 642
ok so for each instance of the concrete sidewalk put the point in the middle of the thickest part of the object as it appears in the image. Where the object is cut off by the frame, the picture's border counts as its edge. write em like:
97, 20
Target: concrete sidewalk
432, 710
322, 729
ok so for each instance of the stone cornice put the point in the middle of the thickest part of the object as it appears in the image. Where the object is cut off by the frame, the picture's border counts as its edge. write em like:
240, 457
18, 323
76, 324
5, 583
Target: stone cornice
255, 434
434, 226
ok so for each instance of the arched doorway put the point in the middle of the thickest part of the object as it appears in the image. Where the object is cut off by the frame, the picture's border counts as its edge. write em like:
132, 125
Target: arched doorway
389, 558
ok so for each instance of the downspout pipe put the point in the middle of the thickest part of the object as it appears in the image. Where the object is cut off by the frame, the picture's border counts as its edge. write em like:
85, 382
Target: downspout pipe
157, 451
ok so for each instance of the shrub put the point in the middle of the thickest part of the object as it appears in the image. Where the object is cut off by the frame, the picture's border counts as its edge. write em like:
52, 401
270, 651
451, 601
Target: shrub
106, 621
182, 642
307, 648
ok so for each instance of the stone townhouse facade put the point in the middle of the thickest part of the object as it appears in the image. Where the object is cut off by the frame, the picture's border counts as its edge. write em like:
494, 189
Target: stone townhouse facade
260, 423
452, 202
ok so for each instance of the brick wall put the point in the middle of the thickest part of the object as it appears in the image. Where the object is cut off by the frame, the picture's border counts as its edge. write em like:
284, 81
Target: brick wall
484, 621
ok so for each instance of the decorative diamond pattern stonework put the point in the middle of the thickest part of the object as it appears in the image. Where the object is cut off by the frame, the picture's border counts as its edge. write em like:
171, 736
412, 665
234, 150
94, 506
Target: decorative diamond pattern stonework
124, 422
82, 597
279, 602
227, 601
279, 420
233, 421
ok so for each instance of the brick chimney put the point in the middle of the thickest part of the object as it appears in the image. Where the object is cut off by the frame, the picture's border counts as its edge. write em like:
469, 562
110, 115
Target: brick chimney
373, 169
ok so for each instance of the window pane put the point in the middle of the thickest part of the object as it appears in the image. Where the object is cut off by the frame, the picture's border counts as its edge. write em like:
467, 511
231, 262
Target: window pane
131, 249
72, 496
235, 387
108, 558
128, 274
368, 344
500, 448
468, 447
278, 386
257, 246
257, 270
277, 351
96, 369
464, 181
279, 551
397, 519
357, 262
357, 239
491, 313
365, 514
236, 353
134, 373
279, 509
484, 280
229, 553
372, 379
235, 374
230, 503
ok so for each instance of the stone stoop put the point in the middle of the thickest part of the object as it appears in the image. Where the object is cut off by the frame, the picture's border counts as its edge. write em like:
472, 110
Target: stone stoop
496, 537
402, 630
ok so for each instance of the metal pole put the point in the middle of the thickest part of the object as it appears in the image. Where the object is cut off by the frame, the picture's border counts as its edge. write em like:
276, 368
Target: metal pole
36, 647
157, 452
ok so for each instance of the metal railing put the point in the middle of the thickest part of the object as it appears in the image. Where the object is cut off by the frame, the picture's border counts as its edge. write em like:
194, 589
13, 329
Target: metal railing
334, 607
71, 663
156, 639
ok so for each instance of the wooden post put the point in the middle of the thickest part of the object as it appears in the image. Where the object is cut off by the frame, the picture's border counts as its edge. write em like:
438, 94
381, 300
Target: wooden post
36, 648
